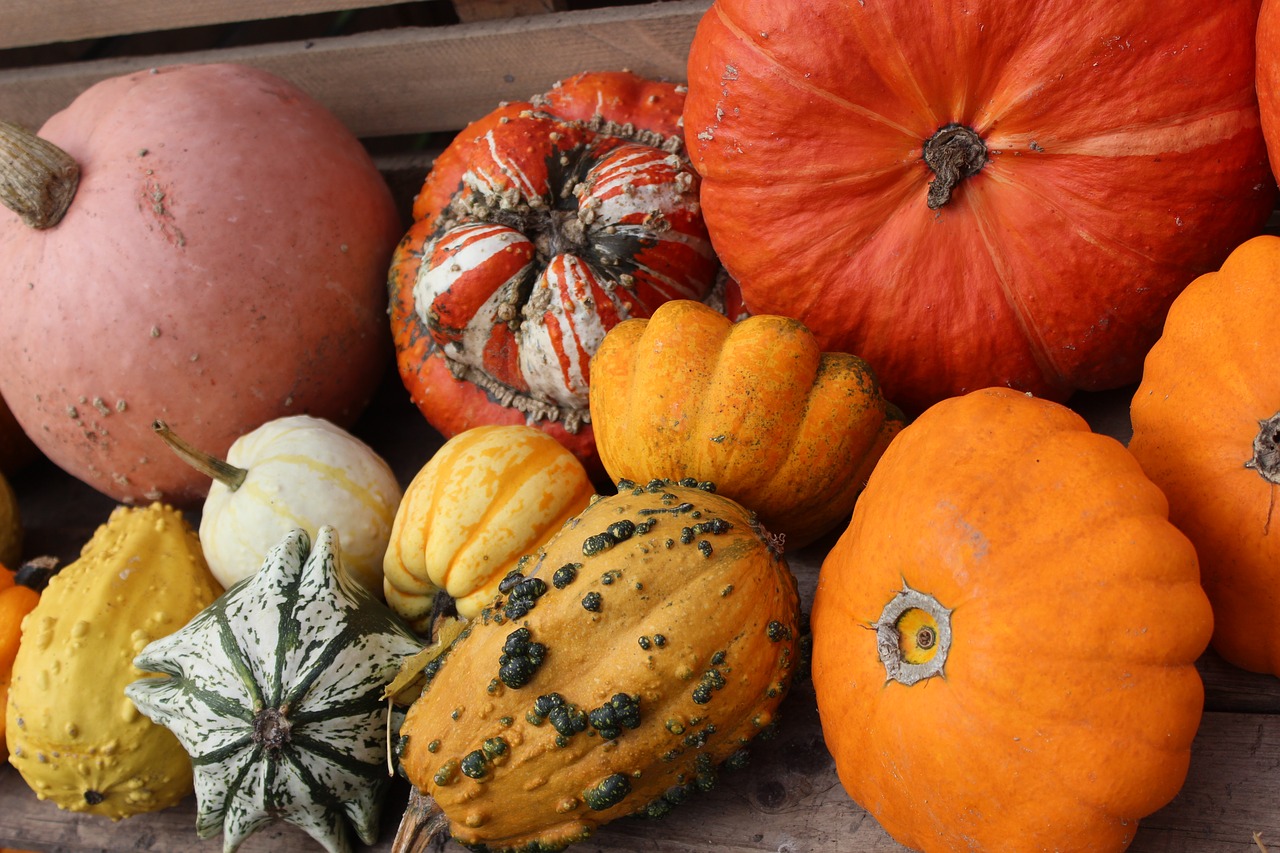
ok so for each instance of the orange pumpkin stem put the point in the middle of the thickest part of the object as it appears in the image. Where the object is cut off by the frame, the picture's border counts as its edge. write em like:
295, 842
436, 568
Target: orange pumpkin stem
954, 153
37, 178
219, 469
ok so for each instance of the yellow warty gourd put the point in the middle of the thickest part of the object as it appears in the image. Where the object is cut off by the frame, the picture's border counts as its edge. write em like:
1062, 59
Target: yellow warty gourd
71, 732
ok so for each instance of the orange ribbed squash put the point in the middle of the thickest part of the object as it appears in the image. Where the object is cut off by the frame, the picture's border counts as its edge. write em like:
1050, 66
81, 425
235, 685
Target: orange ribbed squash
1005, 637
487, 497
756, 408
1206, 428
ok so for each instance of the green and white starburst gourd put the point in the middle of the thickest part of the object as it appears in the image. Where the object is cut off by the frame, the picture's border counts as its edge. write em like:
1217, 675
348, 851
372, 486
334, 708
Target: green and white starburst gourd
276, 691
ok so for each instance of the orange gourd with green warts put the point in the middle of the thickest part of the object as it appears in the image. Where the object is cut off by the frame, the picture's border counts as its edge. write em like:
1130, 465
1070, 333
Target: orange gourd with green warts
1005, 637
1205, 420
755, 407
646, 644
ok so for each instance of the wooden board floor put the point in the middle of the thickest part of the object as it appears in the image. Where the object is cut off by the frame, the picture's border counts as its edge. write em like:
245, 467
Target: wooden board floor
787, 799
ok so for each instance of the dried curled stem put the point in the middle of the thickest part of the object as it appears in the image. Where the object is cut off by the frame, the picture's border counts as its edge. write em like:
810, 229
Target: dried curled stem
423, 827
38, 179
954, 153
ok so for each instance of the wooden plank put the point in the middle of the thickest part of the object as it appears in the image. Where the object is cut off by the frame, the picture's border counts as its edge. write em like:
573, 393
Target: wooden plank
415, 79
36, 22
487, 10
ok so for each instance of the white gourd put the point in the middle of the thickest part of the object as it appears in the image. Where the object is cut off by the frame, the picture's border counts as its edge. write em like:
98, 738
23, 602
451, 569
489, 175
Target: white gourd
276, 691
294, 472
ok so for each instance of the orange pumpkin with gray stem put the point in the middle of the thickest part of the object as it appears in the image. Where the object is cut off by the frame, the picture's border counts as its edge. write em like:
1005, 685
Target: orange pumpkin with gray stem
1206, 428
1005, 637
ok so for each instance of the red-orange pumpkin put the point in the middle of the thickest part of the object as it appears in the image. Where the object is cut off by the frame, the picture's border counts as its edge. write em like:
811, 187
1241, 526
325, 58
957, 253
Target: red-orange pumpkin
222, 263
1005, 637
990, 193
540, 227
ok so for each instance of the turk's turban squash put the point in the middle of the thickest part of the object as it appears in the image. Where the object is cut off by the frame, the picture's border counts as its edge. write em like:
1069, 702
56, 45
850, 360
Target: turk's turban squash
543, 225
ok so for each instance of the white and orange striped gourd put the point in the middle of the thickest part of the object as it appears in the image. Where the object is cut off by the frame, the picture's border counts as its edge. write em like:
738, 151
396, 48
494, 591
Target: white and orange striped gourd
489, 496
543, 225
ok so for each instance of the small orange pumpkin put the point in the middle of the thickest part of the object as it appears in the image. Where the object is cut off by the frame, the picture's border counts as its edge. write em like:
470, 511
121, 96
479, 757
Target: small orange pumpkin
19, 594
1004, 638
754, 407
488, 496
1206, 428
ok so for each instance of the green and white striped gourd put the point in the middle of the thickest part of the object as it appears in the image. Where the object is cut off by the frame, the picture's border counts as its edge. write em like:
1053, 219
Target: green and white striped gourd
276, 691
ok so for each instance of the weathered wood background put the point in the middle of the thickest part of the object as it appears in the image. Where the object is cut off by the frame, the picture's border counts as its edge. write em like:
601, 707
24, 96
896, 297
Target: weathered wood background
404, 77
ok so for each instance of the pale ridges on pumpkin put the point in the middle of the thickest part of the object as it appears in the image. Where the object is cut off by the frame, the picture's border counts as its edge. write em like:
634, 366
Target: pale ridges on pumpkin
275, 690
630, 199
613, 210
667, 596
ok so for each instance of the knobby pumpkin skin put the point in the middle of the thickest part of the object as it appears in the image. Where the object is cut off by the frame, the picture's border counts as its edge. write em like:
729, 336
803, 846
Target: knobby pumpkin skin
71, 732
1039, 619
489, 496
1099, 156
541, 226
1205, 429
755, 407
237, 237
646, 644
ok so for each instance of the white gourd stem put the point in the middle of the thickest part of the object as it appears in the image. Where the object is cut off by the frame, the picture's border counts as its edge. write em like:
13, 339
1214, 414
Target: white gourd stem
222, 471
38, 179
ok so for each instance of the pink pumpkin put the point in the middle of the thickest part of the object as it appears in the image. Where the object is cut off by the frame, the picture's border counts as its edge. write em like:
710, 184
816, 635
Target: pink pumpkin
222, 263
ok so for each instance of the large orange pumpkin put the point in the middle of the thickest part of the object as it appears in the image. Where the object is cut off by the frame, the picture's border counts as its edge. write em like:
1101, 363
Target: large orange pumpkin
1206, 428
989, 193
755, 407
1004, 638
540, 227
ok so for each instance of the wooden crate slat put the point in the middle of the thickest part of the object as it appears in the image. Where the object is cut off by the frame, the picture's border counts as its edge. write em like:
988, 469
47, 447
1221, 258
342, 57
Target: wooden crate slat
35, 22
415, 79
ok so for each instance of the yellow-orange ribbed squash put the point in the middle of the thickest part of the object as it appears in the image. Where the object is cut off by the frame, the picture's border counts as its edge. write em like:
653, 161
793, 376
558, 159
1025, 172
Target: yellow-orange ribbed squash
754, 407
488, 496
